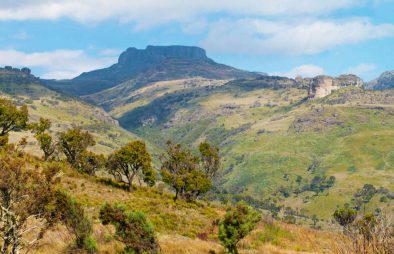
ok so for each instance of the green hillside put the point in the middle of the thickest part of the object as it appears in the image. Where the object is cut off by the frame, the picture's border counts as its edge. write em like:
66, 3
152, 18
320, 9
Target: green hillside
280, 148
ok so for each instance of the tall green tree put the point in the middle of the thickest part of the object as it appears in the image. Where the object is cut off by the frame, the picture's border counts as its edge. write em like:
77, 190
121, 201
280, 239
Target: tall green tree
74, 144
130, 161
132, 228
238, 222
11, 119
189, 175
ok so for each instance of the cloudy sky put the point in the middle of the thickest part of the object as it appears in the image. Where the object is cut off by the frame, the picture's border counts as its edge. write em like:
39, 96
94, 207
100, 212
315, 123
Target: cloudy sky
62, 38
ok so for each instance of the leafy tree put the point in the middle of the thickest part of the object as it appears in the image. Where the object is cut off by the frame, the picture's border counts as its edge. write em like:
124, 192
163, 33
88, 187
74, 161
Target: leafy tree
11, 119
238, 222
26, 202
74, 144
130, 161
189, 175
73, 216
345, 217
41, 126
132, 228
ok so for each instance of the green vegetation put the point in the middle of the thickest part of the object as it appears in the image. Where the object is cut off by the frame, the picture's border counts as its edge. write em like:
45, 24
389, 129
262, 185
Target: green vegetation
278, 149
132, 228
73, 216
236, 225
130, 161
11, 119
189, 175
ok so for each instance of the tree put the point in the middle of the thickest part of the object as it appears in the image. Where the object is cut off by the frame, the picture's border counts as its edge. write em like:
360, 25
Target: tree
47, 145
11, 119
45, 140
132, 228
345, 217
72, 214
74, 144
130, 161
26, 202
41, 126
238, 222
189, 175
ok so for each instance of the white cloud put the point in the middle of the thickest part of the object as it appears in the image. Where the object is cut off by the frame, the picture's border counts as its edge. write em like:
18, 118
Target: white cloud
305, 71
57, 64
294, 37
362, 69
152, 12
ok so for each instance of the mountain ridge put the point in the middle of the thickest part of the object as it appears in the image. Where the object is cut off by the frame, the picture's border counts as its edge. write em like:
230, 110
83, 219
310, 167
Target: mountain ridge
155, 63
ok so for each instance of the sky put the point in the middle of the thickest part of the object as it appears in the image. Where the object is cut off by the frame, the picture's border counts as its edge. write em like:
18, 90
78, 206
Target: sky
60, 39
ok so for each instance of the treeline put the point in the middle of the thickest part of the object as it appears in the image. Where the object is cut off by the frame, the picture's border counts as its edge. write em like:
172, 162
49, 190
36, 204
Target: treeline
32, 200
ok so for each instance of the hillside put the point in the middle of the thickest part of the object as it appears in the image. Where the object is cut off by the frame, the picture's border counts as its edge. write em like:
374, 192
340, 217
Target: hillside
155, 63
181, 227
63, 111
339, 143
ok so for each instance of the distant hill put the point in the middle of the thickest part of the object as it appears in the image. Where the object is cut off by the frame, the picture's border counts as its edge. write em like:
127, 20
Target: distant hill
155, 63
384, 81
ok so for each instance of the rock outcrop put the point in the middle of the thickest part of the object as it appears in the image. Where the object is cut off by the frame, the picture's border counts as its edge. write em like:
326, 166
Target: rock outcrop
9, 74
322, 86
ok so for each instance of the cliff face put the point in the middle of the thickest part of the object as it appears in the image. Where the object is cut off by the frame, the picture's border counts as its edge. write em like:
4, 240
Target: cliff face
154, 54
12, 75
322, 86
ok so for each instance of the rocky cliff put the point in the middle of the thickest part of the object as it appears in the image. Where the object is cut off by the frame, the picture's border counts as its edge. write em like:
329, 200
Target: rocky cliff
322, 86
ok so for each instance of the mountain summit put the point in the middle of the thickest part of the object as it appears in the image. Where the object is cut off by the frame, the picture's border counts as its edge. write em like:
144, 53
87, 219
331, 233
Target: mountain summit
144, 66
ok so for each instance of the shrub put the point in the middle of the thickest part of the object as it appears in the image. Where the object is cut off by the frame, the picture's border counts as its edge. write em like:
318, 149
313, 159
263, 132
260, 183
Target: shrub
132, 228
237, 223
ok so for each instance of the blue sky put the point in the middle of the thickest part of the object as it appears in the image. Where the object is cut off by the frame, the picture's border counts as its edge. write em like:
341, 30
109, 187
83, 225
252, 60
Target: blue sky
62, 38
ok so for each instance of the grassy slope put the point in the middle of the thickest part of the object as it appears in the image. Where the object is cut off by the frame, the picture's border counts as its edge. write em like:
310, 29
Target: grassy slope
65, 112
181, 227
269, 137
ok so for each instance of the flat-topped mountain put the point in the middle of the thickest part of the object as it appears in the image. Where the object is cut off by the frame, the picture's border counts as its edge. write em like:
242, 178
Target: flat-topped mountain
384, 81
155, 63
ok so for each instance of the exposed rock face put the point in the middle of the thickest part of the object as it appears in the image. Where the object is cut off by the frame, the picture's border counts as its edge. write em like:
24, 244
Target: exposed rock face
153, 64
322, 86
385, 81
154, 54
9, 74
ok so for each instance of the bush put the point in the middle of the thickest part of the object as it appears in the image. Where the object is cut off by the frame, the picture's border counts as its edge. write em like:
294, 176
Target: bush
237, 223
132, 228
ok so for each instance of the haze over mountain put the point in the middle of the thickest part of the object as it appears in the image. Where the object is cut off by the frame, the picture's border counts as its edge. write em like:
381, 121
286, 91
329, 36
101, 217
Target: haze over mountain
155, 63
